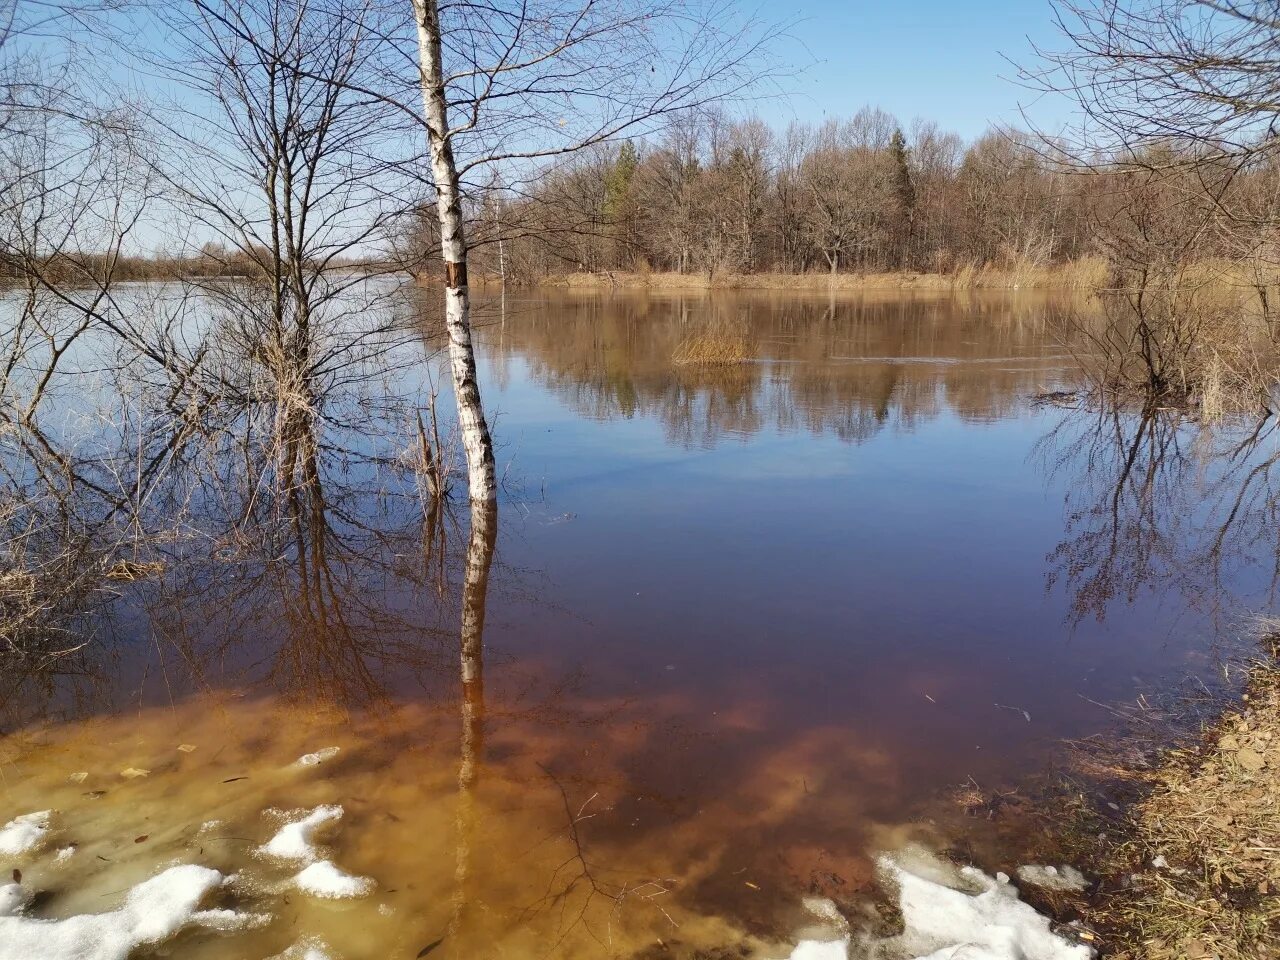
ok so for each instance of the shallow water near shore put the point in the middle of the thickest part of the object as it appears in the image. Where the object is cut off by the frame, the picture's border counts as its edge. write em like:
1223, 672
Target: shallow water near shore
744, 627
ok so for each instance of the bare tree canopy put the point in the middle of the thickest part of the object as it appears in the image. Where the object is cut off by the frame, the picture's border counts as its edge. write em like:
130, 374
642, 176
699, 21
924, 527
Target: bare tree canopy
1202, 73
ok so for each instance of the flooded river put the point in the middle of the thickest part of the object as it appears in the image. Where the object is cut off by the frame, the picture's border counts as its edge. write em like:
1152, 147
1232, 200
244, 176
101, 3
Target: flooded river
739, 628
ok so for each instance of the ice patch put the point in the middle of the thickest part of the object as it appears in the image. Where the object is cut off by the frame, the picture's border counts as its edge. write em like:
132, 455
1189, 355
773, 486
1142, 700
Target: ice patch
26, 833
152, 912
320, 756
1053, 878
293, 840
311, 948
325, 879
229, 920
964, 914
826, 911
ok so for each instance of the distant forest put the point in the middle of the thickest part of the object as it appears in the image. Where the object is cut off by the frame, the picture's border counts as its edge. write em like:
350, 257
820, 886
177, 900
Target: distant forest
867, 194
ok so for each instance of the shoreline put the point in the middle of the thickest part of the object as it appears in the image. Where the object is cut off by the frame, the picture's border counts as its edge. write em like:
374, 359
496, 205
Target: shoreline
1080, 276
1187, 865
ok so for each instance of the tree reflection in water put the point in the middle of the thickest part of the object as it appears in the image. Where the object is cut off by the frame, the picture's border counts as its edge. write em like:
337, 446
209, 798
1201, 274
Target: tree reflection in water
1161, 504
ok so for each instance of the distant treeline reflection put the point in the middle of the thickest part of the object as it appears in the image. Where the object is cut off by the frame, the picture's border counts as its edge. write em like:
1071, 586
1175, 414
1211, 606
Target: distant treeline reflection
844, 367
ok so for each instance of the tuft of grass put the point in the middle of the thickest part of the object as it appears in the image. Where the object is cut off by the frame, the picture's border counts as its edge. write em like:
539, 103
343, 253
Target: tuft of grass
712, 349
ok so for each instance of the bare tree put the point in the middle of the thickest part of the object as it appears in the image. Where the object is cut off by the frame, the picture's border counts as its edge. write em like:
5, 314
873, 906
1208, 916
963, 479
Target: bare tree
848, 175
509, 83
1197, 72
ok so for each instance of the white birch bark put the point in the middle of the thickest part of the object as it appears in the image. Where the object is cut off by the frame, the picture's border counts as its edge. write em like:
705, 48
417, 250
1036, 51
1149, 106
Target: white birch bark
474, 430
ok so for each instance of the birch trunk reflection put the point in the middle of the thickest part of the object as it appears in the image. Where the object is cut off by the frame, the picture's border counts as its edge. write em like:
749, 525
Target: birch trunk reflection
475, 589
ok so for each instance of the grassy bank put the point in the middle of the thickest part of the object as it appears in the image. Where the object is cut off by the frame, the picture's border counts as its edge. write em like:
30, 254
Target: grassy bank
1190, 869
1088, 274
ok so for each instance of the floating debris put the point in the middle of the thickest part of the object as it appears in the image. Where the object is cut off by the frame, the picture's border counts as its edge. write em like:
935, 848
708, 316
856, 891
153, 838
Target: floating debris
320, 756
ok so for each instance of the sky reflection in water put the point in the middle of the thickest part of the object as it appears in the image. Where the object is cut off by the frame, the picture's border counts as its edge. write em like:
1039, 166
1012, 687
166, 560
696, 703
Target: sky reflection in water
752, 619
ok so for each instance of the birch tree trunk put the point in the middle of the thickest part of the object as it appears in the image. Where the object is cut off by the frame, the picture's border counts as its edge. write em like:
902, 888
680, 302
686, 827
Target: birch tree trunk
475, 592
481, 475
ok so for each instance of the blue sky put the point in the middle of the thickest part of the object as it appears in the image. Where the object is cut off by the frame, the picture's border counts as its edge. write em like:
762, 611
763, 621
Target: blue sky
937, 59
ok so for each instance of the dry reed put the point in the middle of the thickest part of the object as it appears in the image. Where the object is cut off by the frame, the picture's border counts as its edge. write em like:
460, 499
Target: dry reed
712, 349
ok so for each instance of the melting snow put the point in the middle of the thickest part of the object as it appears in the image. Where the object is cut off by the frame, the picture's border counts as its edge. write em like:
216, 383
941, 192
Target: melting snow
325, 879
986, 921
26, 833
152, 912
954, 913
12, 899
1052, 878
821, 950
293, 840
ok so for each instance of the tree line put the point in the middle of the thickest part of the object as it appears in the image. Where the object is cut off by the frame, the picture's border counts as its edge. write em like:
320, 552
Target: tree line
716, 194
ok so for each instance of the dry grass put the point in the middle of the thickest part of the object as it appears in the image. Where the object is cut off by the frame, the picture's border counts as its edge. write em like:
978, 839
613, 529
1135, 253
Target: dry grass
712, 349
1198, 862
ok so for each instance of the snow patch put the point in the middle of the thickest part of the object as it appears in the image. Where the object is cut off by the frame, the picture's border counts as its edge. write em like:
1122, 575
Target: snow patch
65, 854
12, 899
821, 950
325, 879
153, 911
293, 841
1053, 878
26, 833
963, 914
320, 756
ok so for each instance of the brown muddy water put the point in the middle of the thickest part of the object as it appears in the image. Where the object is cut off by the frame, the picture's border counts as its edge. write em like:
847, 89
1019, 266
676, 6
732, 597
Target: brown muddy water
745, 627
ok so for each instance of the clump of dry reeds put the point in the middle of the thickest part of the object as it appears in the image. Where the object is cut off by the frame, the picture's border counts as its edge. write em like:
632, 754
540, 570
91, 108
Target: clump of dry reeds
1017, 272
712, 349
1186, 337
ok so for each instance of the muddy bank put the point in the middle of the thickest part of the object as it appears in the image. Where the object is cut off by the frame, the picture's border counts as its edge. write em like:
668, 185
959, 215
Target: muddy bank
1181, 847
1196, 865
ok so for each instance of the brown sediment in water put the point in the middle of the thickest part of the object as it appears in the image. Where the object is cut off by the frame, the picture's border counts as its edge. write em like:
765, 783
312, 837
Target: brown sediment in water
515, 856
